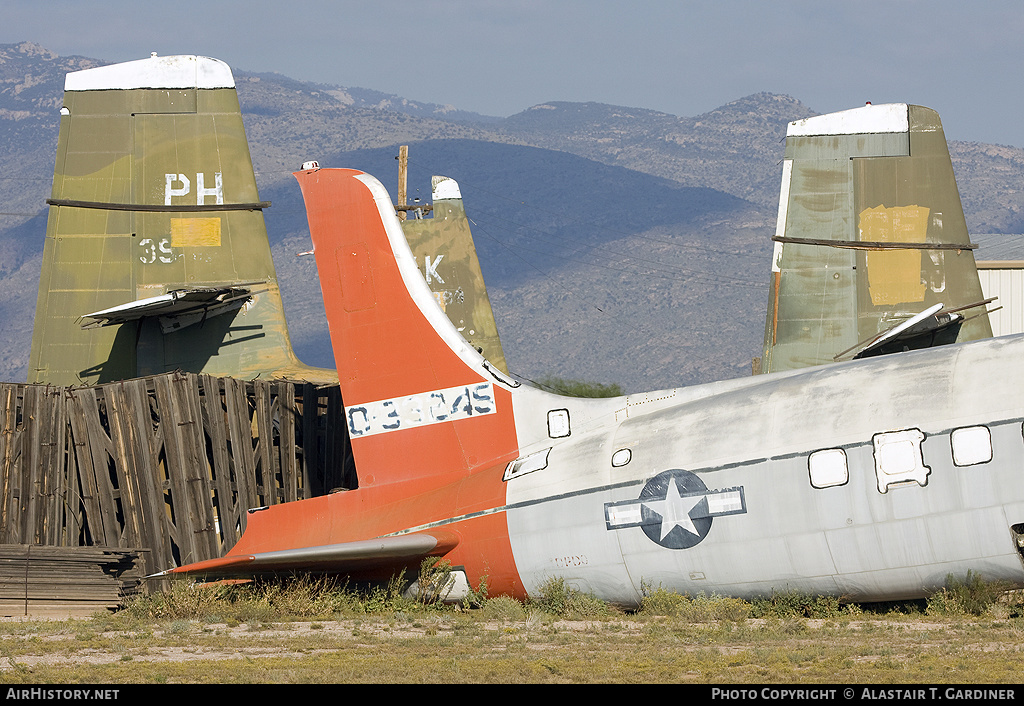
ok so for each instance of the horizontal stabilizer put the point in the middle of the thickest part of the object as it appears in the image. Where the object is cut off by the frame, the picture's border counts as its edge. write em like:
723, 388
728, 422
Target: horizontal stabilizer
929, 328
346, 557
176, 309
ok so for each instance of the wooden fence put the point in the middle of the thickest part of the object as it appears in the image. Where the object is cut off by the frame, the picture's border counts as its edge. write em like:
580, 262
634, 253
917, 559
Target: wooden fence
169, 464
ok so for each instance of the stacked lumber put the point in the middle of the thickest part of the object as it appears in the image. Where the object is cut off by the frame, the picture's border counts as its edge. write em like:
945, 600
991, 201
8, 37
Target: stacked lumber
46, 581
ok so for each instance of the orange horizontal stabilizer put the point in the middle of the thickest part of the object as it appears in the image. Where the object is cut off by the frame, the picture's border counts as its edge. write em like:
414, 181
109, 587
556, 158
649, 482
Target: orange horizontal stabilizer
365, 557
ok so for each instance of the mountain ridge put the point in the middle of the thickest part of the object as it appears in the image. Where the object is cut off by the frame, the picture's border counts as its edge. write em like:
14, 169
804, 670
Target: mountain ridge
620, 244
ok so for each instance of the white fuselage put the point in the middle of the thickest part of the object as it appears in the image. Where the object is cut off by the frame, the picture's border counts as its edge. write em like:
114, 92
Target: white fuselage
721, 494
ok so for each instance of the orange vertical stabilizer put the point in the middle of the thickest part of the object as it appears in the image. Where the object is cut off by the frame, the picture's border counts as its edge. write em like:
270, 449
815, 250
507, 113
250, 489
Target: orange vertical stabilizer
420, 402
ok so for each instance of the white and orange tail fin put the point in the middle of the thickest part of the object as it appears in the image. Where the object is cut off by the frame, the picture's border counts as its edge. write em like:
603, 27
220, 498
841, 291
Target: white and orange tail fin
420, 401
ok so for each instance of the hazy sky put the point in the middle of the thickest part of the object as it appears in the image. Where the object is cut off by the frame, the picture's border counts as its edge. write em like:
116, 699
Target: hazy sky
499, 57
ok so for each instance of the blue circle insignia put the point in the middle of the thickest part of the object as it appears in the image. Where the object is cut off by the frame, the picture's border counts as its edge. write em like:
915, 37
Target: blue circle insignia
674, 509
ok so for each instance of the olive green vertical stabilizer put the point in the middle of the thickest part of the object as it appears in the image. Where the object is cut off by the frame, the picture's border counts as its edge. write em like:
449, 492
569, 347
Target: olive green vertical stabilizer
444, 249
871, 244
156, 255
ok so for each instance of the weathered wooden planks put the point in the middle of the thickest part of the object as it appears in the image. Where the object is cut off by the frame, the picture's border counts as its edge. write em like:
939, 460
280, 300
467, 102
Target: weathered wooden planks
58, 581
169, 463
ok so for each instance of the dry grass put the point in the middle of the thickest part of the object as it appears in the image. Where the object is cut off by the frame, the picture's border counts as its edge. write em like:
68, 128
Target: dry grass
318, 632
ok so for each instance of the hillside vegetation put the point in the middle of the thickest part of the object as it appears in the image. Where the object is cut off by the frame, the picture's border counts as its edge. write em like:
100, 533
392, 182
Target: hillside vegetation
620, 245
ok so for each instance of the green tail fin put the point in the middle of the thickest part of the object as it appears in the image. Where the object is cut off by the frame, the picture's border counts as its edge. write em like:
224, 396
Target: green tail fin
155, 240
872, 253
444, 249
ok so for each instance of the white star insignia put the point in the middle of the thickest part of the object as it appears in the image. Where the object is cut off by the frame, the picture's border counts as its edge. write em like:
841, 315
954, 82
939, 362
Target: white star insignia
674, 510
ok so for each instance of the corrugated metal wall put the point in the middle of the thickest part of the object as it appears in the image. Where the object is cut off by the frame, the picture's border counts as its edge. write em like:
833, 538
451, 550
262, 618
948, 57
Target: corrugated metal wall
1004, 280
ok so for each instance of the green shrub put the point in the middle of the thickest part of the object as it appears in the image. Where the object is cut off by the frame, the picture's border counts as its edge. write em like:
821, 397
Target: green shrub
695, 609
184, 600
579, 388
660, 601
378, 598
971, 595
280, 599
794, 604
558, 598
435, 581
502, 608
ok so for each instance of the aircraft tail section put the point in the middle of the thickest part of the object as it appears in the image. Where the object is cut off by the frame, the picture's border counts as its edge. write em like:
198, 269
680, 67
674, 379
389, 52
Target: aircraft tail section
156, 255
871, 234
443, 246
420, 401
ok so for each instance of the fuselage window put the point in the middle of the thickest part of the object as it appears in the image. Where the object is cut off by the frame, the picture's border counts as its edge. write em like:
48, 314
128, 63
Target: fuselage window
536, 461
828, 468
621, 457
558, 423
971, 445
898, 459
